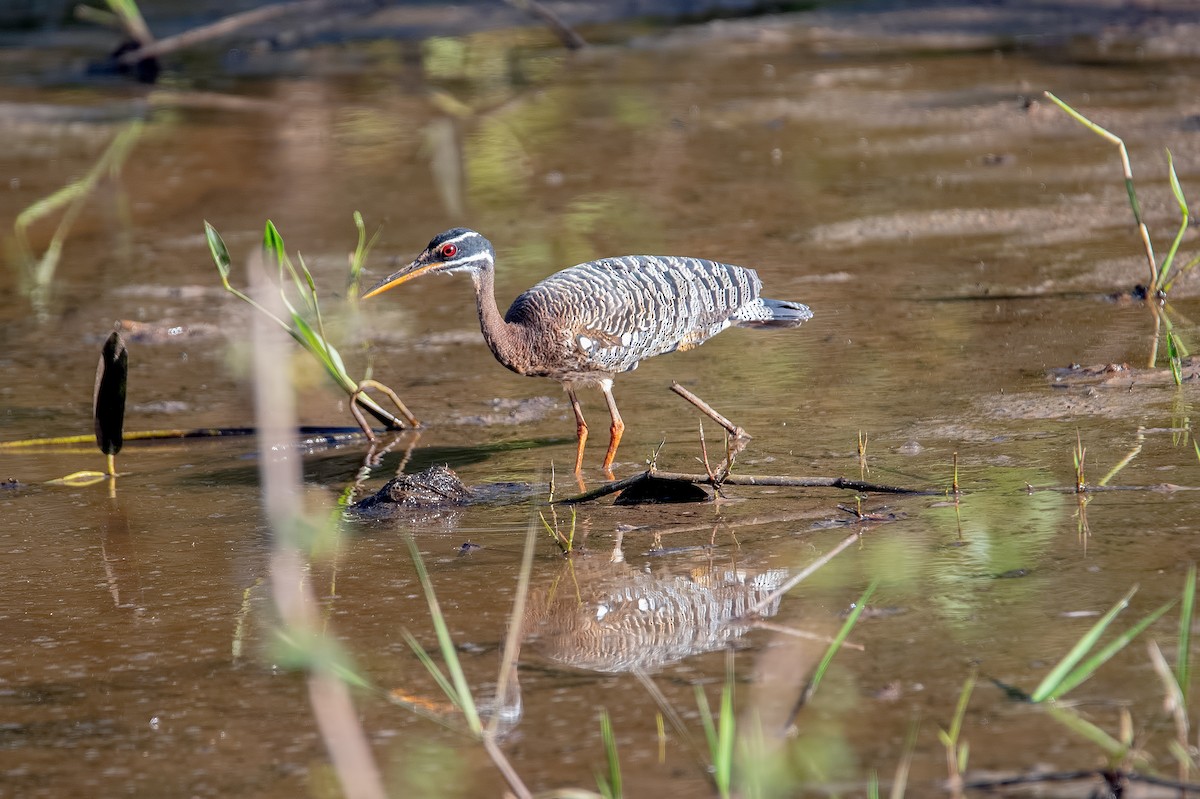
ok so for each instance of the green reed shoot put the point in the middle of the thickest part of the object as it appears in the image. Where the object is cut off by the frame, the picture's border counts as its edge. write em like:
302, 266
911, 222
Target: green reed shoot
39, 272
299, 327
1073, 669
720, 736
1116, 750
1079, 453
564, 541
1161, 276
1175, 704
358, 258
838, 640
1183, 655
609, 784
957, 752
900, 780
455, 687
1129, 456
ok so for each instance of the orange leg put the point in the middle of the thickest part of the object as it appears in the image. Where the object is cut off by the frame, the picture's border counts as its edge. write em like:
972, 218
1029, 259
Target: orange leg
614, 431
580, 430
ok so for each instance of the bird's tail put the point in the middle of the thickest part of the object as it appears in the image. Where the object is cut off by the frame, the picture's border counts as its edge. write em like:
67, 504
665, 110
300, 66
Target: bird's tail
773, 313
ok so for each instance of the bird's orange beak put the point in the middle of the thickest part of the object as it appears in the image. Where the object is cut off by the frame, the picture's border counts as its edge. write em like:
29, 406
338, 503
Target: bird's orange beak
415, 269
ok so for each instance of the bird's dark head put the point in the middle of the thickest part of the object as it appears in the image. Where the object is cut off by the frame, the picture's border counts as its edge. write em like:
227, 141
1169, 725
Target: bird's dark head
456, 250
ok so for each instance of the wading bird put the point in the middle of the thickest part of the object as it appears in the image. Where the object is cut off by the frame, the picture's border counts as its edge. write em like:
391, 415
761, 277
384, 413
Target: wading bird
585, 324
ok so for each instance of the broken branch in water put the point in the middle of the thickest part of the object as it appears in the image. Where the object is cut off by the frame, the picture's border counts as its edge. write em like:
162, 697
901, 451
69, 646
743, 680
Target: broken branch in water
738, 439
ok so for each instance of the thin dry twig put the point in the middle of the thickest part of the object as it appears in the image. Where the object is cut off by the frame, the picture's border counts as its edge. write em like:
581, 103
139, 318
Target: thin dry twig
230, 24
801, 576
332, 706
763, 624
566, 34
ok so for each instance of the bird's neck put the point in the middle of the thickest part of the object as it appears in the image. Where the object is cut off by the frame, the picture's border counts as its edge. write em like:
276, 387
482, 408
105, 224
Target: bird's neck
506, 340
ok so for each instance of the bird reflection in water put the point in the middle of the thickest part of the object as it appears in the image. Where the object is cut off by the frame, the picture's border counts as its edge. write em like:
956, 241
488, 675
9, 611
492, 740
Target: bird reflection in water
612, 617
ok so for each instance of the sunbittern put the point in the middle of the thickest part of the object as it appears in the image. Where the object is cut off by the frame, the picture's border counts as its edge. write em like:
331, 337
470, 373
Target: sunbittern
585, 324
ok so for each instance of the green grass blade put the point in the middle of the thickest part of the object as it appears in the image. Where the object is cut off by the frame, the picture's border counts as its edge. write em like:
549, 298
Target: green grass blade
359, 258
1180, 272
726, 724
610, 785
1174, 358
322, 350
1183, 655
710, 731
1080, 726
838, 640
308, 290
1050, 684
313, 652
1086, 669
960, 710
438, 676
1130, 190
1082, 120
1185, 215
904, 767
466, 701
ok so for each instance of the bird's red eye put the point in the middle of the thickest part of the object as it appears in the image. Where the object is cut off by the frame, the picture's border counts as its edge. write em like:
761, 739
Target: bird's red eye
449, 250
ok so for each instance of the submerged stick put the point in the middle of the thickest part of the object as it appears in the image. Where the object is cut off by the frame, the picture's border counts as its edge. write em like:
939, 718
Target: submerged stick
746, 480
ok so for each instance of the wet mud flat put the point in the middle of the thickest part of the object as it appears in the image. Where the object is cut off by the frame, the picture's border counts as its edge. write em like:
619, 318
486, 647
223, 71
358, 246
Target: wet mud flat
898, 169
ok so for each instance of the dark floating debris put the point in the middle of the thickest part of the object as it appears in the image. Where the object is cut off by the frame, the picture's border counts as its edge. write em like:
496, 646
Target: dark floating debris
436, 487
436, 492
1122, 375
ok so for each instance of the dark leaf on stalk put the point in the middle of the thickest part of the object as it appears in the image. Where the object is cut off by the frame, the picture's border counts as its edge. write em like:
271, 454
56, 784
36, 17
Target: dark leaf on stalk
216, 246
108, 402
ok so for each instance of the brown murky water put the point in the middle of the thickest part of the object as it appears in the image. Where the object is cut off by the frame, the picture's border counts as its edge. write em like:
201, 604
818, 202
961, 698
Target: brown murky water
953, 239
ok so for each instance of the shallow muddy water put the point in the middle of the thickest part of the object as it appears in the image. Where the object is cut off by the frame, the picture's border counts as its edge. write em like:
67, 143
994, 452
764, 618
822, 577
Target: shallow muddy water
955, 235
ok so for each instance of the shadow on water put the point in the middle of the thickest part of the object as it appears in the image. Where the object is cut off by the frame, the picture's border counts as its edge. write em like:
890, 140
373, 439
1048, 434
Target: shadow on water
896, 169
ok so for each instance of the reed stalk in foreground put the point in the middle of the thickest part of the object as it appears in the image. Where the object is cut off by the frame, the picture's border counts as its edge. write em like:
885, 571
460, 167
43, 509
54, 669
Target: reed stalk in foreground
308, 643
453, 682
